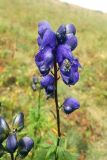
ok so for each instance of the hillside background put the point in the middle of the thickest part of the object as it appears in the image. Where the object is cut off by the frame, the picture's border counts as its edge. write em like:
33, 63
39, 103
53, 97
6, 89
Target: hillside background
18, 33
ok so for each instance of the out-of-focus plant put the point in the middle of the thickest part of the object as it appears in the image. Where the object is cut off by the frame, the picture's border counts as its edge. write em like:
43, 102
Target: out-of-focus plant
55, 54
8, 138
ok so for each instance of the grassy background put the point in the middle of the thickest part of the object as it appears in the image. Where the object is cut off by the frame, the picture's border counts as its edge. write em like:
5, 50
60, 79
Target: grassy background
18, 33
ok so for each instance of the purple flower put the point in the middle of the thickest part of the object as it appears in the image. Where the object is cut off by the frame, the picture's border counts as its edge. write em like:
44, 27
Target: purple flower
24, 146
11, 143
4, 129
64, 52
47, 82
69, 71
18, 122
44, 61
70, 28
71, 40
61, 34
49, 39
42, 27
70, 105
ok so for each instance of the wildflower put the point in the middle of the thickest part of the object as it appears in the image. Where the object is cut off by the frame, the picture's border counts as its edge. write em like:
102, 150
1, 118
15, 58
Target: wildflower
11, 143
24, 146
69, 71
70, 105
18, 122
4, 129
47, 83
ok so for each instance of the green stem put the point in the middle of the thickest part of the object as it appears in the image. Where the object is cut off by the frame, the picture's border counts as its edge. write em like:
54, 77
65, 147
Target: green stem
39, 97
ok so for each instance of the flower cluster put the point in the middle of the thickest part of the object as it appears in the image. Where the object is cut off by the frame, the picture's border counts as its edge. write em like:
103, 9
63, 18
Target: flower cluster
22, 146
57, 48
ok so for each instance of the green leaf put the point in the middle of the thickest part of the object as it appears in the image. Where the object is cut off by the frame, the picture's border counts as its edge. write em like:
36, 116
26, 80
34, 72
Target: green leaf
51, 153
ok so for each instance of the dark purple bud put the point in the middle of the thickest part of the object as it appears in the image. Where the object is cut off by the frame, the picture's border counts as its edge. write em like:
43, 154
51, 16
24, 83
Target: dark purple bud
24, 146
2, 150
4, 129
42, 27
47, 80
70, 28
71, 40
61, 34
11, 143
70, 105
18, 122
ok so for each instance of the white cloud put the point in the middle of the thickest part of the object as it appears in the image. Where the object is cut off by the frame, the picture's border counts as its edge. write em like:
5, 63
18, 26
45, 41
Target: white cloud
91, 4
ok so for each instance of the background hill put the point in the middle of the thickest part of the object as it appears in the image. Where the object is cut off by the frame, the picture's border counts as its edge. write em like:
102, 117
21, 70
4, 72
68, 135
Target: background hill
18, 33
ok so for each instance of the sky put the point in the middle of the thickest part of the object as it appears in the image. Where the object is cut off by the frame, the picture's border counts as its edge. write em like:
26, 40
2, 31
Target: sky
100, 5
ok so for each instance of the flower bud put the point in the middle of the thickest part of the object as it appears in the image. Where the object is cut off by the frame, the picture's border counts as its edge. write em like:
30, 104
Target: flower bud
24, 146
70, 105
70, 28
61, 34
18, 122
11, 143
4, 129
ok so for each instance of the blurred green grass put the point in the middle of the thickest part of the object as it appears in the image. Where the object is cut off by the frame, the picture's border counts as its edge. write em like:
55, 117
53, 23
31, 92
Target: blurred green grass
18, 33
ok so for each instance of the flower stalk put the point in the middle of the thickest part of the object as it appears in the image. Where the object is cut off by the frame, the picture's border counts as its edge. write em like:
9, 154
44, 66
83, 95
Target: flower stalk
12, 156
56, 103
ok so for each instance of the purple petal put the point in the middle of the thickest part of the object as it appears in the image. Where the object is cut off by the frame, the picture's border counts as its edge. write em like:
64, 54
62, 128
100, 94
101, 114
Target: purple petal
39, 41
63, 52
42, 27
70, 105
11, 143
71, 40
49, 39
61, 34
24, 146
4, 129
70, 28
18, 121
47, 80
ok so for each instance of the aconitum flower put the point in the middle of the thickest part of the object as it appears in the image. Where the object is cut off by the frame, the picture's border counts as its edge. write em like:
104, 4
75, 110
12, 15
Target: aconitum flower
11, 143
18, 122
64, 52
69, 71
47, 83
24, 146
42, 27
70, 29
70, 105
44, 60
4, 129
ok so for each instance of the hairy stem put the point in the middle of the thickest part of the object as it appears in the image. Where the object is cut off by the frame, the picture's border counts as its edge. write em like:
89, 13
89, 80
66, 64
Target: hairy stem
57, 107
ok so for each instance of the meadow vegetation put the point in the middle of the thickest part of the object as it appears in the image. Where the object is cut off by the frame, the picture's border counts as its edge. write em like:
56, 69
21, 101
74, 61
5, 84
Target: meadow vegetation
85, 129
